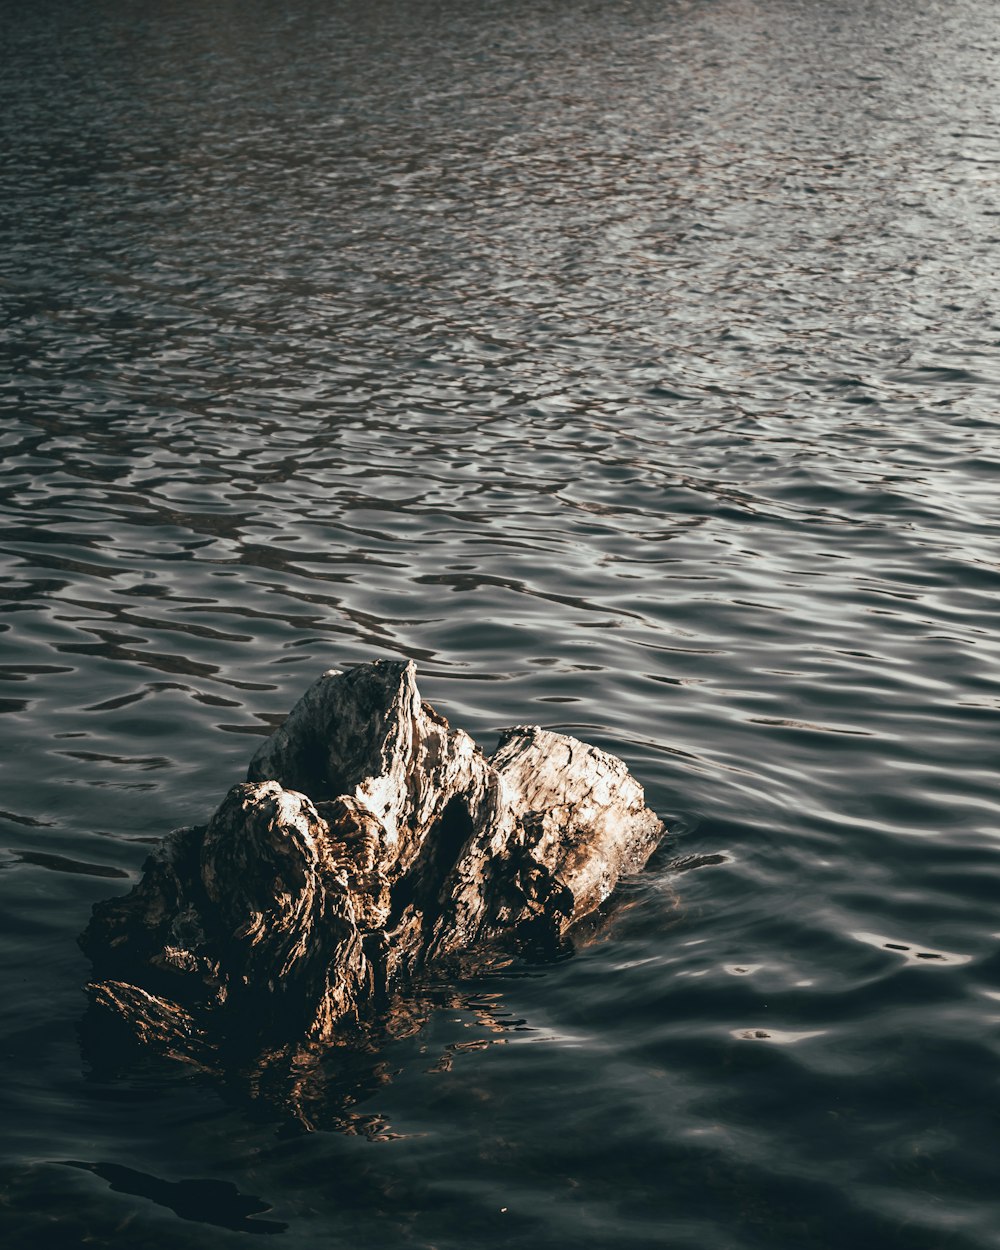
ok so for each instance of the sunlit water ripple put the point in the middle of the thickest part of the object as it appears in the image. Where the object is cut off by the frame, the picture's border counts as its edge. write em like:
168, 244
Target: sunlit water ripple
633, 368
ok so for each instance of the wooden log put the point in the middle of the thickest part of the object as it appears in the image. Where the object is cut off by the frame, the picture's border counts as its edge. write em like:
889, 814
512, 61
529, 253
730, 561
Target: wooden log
371, 843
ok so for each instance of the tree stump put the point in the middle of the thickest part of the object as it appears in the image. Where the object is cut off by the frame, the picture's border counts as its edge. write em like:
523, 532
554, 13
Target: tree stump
370, 844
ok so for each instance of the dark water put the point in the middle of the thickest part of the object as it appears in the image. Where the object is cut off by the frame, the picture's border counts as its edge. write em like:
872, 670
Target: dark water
631, 366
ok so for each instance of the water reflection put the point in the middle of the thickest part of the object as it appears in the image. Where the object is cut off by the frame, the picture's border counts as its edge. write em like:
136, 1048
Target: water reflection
912, 954
306, 1087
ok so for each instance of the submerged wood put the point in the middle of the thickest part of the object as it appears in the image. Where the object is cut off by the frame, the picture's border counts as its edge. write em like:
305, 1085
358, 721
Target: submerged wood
371, 845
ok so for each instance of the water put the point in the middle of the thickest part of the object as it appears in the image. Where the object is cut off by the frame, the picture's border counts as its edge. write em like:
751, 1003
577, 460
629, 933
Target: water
633, 368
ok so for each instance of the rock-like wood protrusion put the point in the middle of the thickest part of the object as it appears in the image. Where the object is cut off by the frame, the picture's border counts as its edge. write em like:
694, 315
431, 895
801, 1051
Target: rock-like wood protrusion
370, 842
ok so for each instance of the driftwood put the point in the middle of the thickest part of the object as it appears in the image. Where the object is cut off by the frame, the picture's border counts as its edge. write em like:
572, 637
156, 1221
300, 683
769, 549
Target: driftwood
371, 844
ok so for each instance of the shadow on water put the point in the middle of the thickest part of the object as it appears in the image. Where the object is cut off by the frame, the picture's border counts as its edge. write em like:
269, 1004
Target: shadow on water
204, 1201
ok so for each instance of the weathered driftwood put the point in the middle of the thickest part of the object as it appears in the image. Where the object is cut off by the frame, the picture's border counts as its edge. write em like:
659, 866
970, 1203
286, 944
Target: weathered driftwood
371, 844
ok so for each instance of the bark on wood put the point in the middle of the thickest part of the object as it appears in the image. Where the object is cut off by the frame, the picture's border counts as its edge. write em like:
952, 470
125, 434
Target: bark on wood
370, 844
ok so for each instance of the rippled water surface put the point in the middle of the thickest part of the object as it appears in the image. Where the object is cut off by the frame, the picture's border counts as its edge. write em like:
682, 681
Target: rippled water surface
631, 366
